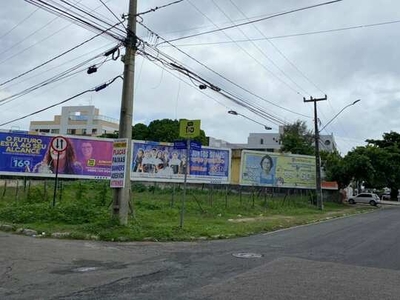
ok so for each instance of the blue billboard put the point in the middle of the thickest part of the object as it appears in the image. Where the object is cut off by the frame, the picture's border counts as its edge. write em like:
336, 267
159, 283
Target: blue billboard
153, 161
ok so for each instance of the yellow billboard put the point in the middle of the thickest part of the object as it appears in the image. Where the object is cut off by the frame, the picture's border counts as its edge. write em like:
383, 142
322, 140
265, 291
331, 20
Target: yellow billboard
277, 170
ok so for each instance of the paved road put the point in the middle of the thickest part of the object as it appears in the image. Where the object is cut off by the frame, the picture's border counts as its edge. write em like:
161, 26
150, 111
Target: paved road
349, 258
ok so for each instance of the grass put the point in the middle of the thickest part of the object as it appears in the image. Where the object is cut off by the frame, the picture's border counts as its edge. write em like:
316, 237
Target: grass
82, 211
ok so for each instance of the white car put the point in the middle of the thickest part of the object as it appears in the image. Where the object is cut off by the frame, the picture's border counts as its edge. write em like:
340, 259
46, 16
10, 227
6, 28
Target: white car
371, 198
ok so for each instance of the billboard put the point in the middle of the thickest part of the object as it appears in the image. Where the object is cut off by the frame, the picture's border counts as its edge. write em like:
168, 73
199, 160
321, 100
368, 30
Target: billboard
278, 170
31, 155
153, 161
119, 163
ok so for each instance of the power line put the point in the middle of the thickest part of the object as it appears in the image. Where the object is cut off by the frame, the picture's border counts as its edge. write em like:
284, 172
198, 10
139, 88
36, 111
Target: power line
157, 8
263, 54
94, 89
204, 83
255, 21
79, 19
40, 41
292, 34
62, 64
65, 74
52, 59
277, 49
18, 24
110, 10
225, 78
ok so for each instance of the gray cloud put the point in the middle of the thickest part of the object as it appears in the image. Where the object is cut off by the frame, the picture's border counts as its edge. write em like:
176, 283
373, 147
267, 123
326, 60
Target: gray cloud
346, 65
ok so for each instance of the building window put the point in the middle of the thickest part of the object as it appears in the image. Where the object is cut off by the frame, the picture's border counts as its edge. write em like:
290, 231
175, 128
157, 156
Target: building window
55, 131
94, 131
84, 131
71, 131
44, 130
261, 141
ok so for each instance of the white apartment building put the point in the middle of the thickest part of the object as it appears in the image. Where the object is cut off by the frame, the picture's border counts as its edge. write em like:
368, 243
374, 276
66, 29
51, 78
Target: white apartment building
270, 142
77, 120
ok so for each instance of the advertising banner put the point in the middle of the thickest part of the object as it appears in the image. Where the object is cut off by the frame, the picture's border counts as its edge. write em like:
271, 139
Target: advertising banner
118, 167
32, 155
153, 161
278, 170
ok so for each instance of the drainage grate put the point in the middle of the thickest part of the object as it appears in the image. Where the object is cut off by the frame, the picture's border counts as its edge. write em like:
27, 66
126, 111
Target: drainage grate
247, 255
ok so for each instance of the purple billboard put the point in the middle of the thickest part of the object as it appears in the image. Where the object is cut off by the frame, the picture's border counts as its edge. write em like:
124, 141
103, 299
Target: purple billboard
31, 155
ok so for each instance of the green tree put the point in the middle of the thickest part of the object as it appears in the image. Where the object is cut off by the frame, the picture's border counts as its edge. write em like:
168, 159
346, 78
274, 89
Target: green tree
335, 168
140, 132
165, 130
297, 139
386, 157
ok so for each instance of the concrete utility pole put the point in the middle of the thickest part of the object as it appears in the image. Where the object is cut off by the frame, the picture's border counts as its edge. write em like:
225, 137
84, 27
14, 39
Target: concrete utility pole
320, 201
122, 195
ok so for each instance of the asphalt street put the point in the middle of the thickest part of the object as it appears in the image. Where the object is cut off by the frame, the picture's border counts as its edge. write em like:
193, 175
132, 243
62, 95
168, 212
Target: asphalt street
354, 257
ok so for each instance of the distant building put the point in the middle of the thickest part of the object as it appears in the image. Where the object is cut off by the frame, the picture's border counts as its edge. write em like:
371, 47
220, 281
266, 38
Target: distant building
270, 142
77, 120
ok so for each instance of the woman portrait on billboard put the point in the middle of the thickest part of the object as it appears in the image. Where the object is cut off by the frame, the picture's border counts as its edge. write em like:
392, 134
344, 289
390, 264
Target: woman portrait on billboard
267, 173
67, 163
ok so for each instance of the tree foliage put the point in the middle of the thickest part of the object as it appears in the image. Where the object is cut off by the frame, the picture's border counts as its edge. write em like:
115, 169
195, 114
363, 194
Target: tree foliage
335, 168
165, 130
297, 139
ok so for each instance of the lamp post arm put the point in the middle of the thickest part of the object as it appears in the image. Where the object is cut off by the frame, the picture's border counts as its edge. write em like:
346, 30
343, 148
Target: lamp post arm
232, 112
339, 114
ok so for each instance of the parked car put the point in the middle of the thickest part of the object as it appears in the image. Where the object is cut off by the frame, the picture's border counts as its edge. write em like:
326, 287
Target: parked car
371, 198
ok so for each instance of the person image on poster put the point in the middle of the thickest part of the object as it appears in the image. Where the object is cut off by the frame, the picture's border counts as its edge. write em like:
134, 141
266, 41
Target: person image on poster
165, 158
175, 162
183, 165
158, 161
138, 161
67, 163
87, 152
267, 173
147, 163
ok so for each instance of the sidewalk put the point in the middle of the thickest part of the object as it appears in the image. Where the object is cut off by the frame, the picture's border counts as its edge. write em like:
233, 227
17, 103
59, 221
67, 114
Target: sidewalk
386, 202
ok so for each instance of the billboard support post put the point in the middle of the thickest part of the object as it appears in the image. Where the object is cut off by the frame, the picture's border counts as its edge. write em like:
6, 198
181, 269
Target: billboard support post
185, 182
58, 144
56, 180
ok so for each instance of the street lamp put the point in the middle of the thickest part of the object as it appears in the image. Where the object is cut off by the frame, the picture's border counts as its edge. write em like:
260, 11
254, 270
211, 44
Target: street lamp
320, 200
235, 113
351, 104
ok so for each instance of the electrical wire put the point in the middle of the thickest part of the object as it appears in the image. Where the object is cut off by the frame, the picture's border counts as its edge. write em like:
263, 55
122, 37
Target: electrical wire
225, 78
263, 54
255, 21
65, 74
52, 59
276, 48
114, 31
60, 65
291, 35
157, 8
18, 24
105, 5
193, 76
94, 89
163, 67
40, 41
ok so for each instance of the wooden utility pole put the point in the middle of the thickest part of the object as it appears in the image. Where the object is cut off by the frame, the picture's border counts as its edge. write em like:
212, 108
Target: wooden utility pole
320, 201
122, 195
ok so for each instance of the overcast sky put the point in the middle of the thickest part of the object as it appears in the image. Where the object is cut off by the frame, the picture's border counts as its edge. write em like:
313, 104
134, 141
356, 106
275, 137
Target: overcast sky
278, 60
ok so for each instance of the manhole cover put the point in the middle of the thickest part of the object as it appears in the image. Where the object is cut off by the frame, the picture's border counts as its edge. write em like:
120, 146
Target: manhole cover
86, 269
247, 255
